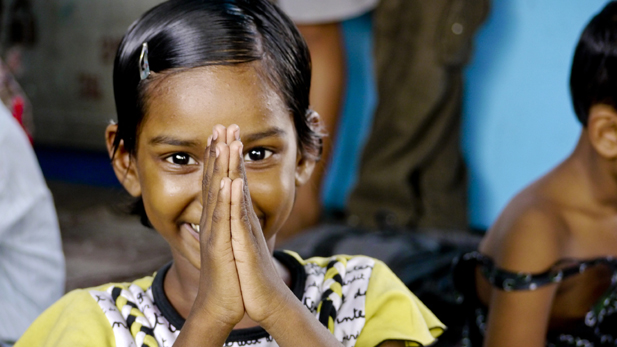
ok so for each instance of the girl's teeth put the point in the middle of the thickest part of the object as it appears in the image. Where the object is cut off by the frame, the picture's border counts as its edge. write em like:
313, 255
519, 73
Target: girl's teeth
195, 227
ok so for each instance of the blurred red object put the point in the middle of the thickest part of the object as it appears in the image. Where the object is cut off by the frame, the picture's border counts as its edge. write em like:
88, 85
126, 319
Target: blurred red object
18, 112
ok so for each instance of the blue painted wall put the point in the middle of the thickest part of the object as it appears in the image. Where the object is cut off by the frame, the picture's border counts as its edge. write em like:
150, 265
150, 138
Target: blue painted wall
518, 119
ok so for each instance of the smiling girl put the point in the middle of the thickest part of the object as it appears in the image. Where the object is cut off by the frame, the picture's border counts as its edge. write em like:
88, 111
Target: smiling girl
214, 136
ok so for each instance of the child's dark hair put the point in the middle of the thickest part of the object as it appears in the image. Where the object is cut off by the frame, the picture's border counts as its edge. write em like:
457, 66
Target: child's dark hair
593, 79
184, 34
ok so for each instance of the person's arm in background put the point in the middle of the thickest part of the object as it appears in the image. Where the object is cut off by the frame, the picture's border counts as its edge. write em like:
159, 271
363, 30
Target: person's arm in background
530, 242
325, 42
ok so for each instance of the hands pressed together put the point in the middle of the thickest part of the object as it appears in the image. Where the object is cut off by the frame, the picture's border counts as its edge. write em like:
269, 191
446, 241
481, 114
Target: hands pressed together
238, 275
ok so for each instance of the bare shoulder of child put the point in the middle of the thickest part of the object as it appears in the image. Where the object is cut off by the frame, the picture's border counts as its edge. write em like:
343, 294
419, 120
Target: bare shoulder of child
553, 246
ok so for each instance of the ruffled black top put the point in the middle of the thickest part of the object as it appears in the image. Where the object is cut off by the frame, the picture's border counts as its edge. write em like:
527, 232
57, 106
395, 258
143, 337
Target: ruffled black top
598, 328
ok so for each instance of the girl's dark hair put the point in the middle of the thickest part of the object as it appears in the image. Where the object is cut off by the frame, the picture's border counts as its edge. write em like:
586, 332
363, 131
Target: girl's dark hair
184, 34
593, 79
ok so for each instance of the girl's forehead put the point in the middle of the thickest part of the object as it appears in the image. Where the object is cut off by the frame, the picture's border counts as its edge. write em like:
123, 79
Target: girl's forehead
205, 96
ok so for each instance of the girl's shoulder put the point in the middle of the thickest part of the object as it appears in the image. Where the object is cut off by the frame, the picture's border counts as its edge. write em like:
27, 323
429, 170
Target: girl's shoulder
365, 301
83, 317
530, 235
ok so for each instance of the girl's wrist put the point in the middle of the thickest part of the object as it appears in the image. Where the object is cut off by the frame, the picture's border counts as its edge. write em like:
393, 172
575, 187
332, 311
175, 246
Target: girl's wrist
203, 310
287, 304
203, 329
283, 325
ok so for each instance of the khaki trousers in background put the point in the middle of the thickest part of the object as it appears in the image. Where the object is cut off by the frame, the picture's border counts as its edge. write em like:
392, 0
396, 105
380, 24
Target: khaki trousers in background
412, 172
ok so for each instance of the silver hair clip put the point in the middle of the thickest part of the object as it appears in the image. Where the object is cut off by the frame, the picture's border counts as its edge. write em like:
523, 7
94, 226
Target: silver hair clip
144, 66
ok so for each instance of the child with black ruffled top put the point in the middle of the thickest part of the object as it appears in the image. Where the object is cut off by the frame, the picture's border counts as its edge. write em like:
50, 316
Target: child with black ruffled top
545, 273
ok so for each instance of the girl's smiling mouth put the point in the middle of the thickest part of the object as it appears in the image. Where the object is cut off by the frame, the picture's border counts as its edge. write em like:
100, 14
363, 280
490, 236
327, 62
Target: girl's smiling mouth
195, 227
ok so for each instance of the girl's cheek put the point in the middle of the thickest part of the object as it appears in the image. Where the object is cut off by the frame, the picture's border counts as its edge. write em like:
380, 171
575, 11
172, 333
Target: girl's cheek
274, 196
169, 195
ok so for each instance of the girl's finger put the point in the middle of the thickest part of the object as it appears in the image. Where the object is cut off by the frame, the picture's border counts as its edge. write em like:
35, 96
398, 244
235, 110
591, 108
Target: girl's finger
237, 171
219, 134
236, 164
248, 203
209, 162
222, 133
205, 181
245, 212
233, 133
240, 220
221, 217
219, 155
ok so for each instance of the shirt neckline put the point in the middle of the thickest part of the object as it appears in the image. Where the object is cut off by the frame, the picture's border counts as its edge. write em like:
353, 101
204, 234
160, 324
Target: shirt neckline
298, 279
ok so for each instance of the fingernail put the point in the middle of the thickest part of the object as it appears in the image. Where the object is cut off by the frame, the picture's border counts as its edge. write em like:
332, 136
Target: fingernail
222, 184
240, 150
215, 135
217, 151
237, 132
209, 140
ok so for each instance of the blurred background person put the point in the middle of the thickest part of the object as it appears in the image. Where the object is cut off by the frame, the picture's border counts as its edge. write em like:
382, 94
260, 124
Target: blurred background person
412, 173
32, 270
545, 273
319, 21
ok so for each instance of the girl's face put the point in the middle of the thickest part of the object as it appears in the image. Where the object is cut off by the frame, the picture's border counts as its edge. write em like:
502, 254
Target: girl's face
182, 109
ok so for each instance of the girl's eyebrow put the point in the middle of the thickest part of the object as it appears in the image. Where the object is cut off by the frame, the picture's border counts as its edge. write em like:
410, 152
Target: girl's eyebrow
171, 141
274, 131
167, 140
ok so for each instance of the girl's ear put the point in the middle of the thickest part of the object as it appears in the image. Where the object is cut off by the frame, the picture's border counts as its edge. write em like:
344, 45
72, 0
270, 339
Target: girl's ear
122, 162
304, 169
602, 129
304, 165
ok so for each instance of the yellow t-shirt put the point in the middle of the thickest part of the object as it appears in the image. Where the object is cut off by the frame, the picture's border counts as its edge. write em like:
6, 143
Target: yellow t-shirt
358, 298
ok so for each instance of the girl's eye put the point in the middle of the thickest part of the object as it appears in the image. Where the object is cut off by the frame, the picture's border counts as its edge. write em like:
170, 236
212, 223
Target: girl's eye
181, 159
257, 154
